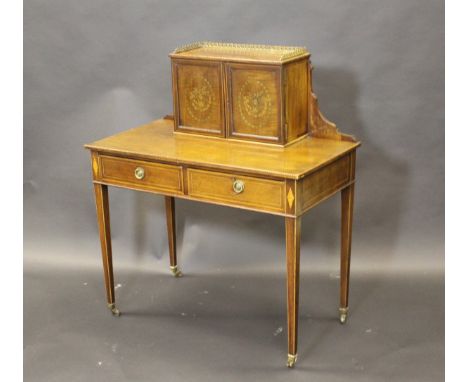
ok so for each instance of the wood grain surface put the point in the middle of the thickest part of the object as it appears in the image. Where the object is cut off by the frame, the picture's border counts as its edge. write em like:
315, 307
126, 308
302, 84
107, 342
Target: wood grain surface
156, 141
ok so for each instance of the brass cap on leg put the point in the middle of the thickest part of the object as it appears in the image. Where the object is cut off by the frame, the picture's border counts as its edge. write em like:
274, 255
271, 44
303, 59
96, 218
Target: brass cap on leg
292, 358
175, 271
114, 310
343, 315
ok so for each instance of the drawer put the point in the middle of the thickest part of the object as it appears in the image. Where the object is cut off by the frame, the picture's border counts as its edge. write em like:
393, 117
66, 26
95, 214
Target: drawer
140, 174
238, 190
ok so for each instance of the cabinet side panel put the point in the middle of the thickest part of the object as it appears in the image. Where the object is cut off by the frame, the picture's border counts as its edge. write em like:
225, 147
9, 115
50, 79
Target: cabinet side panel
296, 93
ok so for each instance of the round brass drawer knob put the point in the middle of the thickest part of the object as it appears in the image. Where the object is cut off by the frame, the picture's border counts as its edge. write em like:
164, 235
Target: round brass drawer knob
238, 186
139, 173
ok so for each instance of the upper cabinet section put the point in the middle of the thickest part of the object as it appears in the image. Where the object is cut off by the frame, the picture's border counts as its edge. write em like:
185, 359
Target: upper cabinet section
237, 91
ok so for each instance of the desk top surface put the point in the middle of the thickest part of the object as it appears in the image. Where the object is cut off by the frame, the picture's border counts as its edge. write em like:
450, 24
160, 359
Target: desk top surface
157, 141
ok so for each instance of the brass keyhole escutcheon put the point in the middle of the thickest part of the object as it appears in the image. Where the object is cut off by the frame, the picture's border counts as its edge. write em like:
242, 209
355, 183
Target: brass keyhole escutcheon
139, 173
238, 186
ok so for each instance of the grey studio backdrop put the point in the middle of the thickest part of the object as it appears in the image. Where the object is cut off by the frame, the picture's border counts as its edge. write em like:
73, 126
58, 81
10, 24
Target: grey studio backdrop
95, 68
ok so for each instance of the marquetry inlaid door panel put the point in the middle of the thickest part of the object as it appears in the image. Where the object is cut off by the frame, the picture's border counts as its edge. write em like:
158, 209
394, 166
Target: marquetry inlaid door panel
254, 110
198, 97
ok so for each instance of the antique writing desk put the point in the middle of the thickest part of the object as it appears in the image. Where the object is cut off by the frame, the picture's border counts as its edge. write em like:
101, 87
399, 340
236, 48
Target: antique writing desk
281, 180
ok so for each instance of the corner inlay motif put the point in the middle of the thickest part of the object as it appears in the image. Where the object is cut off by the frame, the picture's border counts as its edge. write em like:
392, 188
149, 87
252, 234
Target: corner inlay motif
290, 198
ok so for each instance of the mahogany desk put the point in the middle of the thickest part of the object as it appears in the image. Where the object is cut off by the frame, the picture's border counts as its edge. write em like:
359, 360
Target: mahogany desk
285, 181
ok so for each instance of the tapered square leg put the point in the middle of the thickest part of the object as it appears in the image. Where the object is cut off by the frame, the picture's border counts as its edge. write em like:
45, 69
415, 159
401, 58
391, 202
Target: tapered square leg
102, 210
171, 235
347, 203
293, 240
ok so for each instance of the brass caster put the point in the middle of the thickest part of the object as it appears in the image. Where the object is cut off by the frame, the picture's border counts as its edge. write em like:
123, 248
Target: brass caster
292, 358
114, 310
175, 271
343, 315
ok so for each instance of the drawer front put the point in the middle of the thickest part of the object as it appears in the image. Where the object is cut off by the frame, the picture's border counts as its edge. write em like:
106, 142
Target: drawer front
141, 174
256, 193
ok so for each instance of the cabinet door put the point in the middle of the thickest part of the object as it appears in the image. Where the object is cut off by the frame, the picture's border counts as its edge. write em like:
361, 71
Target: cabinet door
253, 102
197, 97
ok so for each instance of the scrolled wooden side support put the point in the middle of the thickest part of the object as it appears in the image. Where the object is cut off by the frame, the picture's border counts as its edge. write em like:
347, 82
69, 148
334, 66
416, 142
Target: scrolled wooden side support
321, 127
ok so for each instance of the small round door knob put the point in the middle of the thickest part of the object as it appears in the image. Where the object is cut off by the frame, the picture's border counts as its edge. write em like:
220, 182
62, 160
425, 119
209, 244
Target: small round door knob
238, 186
139, 173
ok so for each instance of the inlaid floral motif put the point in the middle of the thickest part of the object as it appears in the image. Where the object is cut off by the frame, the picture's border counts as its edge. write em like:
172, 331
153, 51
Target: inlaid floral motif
254, 103
200, 98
